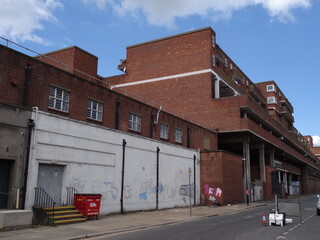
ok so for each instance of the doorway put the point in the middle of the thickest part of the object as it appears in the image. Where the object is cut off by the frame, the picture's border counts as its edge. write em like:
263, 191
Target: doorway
50, 179
5, 172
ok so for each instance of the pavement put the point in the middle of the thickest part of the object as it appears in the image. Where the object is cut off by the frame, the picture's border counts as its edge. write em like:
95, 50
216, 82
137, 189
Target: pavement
118, 223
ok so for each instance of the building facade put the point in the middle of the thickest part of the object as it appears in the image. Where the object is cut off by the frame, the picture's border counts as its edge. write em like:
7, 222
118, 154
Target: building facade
190, 74
183, 94
77, 132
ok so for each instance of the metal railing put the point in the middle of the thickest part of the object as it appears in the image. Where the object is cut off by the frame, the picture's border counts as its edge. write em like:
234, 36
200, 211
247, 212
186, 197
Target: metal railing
44, 205
79, 201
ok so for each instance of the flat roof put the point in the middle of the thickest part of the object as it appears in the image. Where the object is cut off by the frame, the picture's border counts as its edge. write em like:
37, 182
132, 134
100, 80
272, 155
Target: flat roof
172, 36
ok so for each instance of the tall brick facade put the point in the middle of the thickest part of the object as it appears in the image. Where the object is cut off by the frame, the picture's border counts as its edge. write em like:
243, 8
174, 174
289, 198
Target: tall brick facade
189, 74
26, 82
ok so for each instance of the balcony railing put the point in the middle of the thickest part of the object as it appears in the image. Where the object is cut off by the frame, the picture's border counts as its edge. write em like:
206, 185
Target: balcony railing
287, 104
287, 114
256, 94
262, 115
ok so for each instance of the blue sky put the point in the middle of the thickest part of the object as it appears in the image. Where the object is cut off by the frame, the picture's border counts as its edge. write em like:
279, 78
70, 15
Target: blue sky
268, 39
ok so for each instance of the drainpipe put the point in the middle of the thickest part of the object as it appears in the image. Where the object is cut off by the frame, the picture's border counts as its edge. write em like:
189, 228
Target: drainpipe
124, 143
27, 70
158, 113
157, 196
194, 180
117, 115
31, 125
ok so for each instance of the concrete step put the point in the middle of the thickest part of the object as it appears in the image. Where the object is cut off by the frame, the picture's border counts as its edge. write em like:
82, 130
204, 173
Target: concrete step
69, 221
65, 215
68, 216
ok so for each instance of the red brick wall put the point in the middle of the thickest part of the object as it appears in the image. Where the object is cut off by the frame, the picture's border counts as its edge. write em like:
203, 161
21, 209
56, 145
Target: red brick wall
221, 170
267, 186
42, 75
175, 55
75, 58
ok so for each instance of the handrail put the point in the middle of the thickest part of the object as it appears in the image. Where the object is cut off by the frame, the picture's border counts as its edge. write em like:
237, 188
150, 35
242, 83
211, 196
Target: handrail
44, 201
79, 202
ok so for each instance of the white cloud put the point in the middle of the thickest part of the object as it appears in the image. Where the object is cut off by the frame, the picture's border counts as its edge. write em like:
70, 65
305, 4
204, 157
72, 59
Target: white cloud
165, 12
20, 19
316, 141
281, 9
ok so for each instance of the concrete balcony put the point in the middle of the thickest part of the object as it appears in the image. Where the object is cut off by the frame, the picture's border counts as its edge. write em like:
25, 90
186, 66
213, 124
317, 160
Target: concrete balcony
287, 104
256, 94
243, 113
287, 114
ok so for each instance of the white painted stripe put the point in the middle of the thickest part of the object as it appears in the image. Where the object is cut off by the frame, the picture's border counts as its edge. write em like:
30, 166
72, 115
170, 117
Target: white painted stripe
171, 77
164, 78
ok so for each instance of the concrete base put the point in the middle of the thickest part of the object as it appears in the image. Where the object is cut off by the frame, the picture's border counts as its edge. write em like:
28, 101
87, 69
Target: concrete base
15, 219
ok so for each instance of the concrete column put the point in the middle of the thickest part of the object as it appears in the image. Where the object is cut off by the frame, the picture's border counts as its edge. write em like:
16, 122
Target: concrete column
271, 156
262, 164
246, 155
217, 88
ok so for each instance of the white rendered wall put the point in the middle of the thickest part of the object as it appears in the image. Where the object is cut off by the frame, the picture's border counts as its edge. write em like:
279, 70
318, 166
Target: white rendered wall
92, 160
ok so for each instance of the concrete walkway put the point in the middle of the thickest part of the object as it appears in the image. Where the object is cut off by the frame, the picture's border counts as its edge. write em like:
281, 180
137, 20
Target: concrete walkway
122, 222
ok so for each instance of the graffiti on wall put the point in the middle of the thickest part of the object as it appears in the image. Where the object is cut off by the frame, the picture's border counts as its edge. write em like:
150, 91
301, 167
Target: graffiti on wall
186, 192
78, 183
211, 193
111, 188
146, 188
167, 191
127, 192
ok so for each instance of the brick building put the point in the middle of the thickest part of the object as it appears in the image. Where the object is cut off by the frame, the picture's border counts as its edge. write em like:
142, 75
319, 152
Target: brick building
32, 84
313, 148
182, 90
190, 74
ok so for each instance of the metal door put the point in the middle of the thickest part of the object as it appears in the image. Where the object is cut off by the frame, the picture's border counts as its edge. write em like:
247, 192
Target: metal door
50, 179
5, 169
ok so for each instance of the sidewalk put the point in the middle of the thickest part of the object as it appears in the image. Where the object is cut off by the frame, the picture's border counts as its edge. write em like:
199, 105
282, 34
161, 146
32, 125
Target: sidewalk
121, 223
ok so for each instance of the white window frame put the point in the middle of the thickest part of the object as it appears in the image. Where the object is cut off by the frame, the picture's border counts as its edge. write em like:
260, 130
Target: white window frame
271, 88
94, 110
213, 60
226, 62
272, 100
164, 131
59, 99
213, 40
178, 135
231, 66
135, 122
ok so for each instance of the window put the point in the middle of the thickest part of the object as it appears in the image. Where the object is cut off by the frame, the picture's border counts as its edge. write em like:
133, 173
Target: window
94, 110
226, 62
135, 122
213, 41
164, 131
231, 66
271, 88
58, 99
178, 135
213, 60
272, 100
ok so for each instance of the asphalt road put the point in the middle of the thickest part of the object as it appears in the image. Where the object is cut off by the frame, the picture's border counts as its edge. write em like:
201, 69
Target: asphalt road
239, 226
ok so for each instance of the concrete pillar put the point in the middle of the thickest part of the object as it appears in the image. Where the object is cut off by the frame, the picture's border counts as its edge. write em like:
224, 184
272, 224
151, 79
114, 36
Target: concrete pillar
271, 157
262, 164
246, 155
217, 88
